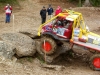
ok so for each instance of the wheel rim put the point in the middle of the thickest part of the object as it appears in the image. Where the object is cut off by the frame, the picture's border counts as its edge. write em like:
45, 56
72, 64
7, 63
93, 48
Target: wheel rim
96, 62
46, 46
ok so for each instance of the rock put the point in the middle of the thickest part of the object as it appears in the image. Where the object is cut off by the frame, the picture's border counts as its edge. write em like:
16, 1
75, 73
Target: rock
55, 67
6, 50
25, 46
31, 34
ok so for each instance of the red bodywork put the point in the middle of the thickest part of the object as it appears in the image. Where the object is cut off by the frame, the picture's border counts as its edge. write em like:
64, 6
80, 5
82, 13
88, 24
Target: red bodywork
67, 32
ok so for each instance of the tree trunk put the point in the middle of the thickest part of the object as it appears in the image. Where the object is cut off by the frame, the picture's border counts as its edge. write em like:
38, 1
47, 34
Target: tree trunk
80, 4
86, 3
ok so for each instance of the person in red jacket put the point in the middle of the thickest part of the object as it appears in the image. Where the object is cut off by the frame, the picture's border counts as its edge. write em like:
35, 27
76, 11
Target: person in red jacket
58, 10
8, 11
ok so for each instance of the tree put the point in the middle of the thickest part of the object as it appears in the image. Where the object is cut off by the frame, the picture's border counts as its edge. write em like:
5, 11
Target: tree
95, 2
80, 3
86, 3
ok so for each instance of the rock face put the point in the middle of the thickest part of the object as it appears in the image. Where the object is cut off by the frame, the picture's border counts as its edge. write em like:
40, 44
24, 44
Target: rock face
24, 45
6, 50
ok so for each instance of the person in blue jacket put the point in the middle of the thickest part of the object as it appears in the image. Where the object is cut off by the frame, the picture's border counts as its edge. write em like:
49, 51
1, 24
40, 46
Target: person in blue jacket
50, 11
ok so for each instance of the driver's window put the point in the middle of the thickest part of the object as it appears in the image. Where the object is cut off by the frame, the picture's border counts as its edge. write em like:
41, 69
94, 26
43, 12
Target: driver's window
66, 23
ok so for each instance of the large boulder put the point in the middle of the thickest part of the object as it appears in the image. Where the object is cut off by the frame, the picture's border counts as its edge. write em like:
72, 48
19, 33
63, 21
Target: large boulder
25, 46
6, 50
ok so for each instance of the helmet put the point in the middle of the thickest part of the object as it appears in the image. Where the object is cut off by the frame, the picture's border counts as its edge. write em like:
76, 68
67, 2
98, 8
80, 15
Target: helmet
58, 22
65, 21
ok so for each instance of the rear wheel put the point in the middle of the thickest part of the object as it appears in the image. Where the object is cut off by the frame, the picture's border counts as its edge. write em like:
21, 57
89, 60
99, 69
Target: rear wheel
95, 62
48, 45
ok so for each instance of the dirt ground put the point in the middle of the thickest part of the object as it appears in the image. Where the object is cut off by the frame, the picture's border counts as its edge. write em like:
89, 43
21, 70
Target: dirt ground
27, 18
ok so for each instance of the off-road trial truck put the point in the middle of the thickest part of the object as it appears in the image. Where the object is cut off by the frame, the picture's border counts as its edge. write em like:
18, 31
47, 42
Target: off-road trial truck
68, 28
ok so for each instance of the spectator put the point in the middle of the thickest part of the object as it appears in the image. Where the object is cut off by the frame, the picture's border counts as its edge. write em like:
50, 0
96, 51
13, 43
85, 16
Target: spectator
50, 11
43, 14
8, 11
58, 10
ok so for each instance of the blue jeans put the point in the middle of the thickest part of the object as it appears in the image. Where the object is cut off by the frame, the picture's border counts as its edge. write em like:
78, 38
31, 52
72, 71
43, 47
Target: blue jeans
7, 18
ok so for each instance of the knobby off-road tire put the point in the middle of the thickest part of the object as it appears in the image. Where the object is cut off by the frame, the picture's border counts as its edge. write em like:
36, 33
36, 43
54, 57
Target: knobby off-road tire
45, 57
48, 45
94, 62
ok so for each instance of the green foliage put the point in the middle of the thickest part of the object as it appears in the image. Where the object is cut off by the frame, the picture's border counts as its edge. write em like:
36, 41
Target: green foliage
11, 2
25, 59
30, 59
79, 2
95, 2
76, 0
41, 59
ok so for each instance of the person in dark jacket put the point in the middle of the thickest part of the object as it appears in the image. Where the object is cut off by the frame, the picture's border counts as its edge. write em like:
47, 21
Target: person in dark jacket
43, 14
50, 11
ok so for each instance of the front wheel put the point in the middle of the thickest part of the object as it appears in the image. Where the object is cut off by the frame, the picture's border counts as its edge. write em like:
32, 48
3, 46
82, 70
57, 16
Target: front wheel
48, 45
94, 62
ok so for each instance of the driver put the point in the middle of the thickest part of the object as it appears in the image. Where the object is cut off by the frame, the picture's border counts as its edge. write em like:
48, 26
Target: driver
66, 23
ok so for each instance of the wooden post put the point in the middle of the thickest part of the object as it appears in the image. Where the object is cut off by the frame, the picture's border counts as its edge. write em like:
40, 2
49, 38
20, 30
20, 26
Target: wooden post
13, 24
45, 52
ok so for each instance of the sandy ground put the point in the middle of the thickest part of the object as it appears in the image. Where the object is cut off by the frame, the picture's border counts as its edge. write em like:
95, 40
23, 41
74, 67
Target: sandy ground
27, 18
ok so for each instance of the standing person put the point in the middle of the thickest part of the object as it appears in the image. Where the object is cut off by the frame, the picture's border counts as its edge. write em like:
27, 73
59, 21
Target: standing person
43, 14
58, 10
8, 11
50, 11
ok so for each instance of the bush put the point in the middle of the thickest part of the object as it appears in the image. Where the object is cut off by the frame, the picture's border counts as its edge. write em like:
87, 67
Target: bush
79, 2
95, 2
11, 2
